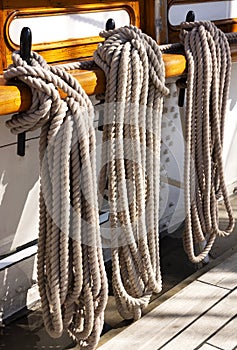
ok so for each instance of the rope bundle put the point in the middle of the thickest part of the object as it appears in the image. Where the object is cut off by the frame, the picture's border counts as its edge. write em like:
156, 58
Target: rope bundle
209, 68
71, 275
135, 86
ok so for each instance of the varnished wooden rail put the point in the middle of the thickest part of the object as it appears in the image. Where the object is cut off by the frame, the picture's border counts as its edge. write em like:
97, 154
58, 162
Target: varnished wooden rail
16, 97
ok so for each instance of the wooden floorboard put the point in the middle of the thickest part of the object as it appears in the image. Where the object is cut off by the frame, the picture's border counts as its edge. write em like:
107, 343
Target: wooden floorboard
226, 338
200, 331
223, 275
164, 322
209, 347
200, 316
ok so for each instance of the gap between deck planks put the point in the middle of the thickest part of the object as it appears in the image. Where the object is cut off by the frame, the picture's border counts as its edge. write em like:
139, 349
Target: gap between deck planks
226, 337
209, 347
200, 331
223, 275
193, 316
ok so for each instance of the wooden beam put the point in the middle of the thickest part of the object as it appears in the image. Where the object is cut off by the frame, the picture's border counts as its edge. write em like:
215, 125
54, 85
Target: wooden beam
175, 65
16, 97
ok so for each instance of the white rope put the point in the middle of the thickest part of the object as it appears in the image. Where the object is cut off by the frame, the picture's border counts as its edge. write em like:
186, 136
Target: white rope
71, 274
208, 78
135, 86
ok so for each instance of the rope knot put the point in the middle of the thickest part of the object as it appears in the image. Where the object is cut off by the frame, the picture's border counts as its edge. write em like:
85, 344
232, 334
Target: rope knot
45, 95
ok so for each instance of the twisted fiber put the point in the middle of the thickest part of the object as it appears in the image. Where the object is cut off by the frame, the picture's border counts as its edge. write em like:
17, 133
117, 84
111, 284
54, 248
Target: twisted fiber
71, 275
135, 86
209, 66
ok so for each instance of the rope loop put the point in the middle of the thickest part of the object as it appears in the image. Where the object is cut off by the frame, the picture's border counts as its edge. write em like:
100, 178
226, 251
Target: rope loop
135, 87
71, 274
209, 67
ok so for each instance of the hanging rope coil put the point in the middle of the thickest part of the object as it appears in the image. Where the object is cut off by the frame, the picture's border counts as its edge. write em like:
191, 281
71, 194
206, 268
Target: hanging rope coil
135, 86
209, 67
71, 274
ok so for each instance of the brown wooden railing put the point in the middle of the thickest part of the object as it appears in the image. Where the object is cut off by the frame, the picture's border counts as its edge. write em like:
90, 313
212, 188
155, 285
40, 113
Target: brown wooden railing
15, 97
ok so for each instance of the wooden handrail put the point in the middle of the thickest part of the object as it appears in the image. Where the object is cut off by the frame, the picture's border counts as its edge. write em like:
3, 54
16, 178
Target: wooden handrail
16, 97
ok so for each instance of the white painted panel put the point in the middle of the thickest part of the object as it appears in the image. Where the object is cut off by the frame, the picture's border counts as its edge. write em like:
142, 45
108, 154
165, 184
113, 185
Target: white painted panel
19, 193
6, 137
172, 161
66, 26
230, 136
14, 258
172, 212
18, 287
203, 11
172, 147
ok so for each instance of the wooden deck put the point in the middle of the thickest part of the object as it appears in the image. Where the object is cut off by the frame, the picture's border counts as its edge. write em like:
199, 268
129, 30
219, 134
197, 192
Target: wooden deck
196, 309
203, 315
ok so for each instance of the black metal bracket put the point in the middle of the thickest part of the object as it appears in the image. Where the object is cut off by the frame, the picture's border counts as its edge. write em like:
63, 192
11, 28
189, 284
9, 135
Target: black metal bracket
25, 50
190, 17
182, 83
110, 24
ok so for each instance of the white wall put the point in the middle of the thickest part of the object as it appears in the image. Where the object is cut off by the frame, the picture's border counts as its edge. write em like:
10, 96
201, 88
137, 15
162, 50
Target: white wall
19, 190
230, 136
66, 26
203, 11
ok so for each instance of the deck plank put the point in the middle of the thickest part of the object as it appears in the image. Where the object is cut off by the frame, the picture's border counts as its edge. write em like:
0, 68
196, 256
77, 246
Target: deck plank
226, 338
201, 330
223, 275
168, 319
209, 347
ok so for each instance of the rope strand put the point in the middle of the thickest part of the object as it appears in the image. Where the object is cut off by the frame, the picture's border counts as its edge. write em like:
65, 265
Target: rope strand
71, 274
135, 86
208, 78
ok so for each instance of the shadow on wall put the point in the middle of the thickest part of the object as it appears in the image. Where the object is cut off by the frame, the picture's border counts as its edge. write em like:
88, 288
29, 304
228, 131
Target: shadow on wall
230, 136
19, 188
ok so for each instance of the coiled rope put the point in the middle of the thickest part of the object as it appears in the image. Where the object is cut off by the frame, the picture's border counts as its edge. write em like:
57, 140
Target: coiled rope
209, 67
135, 86
71, 274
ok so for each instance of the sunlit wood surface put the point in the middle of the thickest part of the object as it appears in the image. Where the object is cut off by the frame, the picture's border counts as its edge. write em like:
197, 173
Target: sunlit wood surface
17, 97
203, 315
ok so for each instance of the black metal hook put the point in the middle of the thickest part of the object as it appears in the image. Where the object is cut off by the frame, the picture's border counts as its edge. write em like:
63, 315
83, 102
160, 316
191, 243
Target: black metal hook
25, 50
110, 24
25, 44
190, 17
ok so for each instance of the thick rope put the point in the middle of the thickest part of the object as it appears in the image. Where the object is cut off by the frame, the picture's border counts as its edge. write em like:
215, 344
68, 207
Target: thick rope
135, 86
208, 78
71, 274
